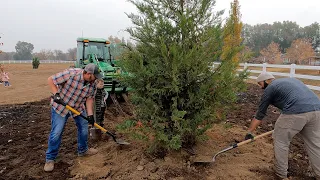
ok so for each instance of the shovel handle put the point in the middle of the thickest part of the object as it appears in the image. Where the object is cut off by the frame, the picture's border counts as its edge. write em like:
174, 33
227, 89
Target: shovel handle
257, 137
95, 124
74, 111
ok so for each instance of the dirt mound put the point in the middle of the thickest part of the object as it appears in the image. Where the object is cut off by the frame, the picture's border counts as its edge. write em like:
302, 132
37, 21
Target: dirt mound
24, 130
132, 163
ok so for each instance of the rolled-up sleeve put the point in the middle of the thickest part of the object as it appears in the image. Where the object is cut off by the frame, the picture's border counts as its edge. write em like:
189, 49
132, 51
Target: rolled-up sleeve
264, 103
92, 91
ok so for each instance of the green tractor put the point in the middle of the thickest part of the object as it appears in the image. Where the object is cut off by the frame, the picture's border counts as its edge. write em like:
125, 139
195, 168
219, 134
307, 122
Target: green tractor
106, 56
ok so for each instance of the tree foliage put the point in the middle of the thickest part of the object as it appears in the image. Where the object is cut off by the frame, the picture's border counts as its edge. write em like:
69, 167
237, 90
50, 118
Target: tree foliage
176, 93
300, 50
35, 63
23, 51
232, 35
284, 33
72, 53
246, 54
272, 53
48, 54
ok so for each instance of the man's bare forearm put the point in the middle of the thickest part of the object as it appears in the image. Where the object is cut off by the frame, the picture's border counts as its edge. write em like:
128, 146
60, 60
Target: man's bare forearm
53, 87
254, 124
89, 104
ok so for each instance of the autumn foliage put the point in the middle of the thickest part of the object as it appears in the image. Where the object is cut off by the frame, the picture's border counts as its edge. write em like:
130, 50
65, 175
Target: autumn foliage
232, 34
272, 53
300, 51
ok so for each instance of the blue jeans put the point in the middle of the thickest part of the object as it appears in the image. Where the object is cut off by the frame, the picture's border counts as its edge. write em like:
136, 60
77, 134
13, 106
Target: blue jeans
57, 126
6, 83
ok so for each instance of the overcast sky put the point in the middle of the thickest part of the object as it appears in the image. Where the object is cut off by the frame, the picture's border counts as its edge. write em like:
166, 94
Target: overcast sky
55, 24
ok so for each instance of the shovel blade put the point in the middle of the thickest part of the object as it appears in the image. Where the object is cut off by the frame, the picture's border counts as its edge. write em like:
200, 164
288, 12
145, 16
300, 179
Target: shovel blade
122, 142
95, 134
199, 159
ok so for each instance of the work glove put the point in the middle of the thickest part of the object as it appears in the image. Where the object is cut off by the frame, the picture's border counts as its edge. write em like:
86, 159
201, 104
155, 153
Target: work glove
249, 136
91, 120
56, 98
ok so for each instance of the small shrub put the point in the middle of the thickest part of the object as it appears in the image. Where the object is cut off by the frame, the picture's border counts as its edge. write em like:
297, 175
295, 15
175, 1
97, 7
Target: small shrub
35, 63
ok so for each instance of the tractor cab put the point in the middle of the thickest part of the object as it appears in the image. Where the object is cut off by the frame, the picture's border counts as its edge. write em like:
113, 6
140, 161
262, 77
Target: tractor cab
105, 55
94, 50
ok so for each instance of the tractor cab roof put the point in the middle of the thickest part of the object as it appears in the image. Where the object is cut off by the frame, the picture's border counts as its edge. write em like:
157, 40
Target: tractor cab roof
99, 40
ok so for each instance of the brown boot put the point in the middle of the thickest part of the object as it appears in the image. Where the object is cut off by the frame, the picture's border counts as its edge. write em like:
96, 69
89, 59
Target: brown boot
89, 152
49, 166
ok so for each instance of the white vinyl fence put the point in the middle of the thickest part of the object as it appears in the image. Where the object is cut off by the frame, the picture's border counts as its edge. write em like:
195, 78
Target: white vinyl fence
30, 61
292, 73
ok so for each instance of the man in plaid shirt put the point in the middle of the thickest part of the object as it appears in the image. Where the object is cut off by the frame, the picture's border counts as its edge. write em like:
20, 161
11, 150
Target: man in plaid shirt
76, 88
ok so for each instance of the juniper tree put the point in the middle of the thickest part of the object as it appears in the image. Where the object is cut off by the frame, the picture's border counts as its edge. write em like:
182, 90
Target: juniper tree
176, 91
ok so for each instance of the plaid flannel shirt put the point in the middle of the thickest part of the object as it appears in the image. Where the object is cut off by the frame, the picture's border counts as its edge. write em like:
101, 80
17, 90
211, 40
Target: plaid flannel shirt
73, 90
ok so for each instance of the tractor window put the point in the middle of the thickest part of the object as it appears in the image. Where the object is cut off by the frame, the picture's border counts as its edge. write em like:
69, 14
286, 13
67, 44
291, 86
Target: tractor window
97, 49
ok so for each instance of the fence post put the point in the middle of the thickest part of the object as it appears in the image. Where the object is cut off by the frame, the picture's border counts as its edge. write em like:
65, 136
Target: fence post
264, 67
245, 66
292, 70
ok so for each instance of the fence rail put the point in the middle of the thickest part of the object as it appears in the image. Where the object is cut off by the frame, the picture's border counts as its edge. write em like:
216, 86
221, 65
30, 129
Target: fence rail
292, 73
30, 61
264, 67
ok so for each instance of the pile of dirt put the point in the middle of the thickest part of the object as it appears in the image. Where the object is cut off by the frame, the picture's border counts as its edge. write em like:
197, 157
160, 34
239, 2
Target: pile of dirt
24, 131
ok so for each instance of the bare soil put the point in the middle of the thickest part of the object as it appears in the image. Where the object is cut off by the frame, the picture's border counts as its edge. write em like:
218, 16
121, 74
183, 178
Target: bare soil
24, 129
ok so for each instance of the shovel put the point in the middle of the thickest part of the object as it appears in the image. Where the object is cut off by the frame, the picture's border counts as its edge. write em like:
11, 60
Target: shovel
207, 159
118, 141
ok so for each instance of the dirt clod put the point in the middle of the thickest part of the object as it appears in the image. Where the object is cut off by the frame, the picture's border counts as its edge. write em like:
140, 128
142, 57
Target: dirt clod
140, 168
152, 167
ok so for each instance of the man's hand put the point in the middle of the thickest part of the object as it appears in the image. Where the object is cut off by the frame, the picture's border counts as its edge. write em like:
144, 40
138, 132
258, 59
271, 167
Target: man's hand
91, 120
254, 124
56, 98
249, 136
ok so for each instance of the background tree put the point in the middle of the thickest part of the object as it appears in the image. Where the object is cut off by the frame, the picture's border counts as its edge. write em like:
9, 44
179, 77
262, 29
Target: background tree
232, 35
300, 50
72, 54
257, 37
272, 54
111, 38
4, 56
114, 39
284, 33
48, 54
117, 40
41, 54
23, 51
246, 54
175, 92
35, 63
59, 55
312, 32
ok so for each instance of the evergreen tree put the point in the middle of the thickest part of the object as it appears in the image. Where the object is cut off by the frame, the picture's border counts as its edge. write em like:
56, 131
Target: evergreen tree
176, 92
